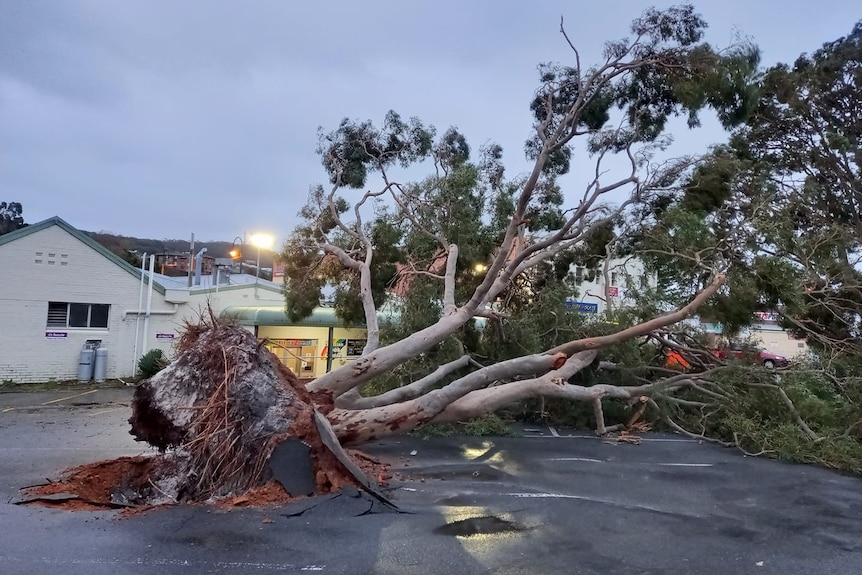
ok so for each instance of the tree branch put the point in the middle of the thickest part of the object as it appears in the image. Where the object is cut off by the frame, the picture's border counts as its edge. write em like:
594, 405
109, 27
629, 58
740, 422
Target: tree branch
414, 389
645, 327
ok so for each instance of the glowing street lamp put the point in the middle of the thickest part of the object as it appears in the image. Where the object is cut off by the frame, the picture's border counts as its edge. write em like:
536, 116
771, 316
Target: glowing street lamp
480, 268
235, 252
265, 241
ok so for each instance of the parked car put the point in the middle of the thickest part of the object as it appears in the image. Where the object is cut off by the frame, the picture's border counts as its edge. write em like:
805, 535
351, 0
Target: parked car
753, 354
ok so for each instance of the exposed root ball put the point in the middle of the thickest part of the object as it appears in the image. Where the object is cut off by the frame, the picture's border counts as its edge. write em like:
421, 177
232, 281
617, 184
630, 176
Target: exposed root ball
223, 404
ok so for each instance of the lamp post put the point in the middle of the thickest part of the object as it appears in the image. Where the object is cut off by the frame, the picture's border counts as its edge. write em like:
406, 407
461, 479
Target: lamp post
236, 251
261, 241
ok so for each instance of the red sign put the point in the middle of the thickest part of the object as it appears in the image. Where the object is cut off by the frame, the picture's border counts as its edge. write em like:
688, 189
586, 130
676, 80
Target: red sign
613, 291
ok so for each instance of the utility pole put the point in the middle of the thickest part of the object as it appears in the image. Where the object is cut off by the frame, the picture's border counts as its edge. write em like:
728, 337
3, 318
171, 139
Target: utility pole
191, 259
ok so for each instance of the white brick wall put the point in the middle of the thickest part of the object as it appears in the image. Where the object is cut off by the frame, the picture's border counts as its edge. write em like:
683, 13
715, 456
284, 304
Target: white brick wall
53, 265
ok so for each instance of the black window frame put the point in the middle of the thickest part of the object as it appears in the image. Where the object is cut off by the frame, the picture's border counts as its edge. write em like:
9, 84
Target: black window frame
76, 315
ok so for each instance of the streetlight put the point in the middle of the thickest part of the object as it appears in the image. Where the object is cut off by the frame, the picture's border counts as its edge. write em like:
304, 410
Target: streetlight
235, 252
261, 241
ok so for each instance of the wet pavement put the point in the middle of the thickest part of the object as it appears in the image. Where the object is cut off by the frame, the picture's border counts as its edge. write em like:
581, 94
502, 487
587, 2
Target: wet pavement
543, 502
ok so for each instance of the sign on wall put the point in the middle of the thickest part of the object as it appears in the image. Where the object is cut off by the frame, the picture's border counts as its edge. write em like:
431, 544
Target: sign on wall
613, 291
766, 315
297, 342
355, 346
164, 336
583, 306
56, 335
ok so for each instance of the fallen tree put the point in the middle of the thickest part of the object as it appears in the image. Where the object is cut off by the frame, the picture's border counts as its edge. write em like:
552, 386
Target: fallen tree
415, 246
225, 403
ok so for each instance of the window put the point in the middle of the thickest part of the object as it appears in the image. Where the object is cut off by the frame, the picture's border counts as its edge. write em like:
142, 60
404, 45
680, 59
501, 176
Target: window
62, 314
614, 278
579, 275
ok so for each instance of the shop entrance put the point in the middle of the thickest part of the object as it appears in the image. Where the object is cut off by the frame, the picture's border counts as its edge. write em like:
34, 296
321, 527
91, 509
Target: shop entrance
298, 355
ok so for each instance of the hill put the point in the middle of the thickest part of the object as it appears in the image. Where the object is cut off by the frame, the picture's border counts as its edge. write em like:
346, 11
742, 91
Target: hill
132, 249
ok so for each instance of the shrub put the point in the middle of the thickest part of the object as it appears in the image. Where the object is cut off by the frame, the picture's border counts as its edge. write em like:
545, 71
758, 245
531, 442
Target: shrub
151, 363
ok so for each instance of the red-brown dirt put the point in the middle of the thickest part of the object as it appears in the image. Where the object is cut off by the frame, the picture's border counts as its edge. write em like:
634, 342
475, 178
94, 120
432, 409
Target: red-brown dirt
94, 482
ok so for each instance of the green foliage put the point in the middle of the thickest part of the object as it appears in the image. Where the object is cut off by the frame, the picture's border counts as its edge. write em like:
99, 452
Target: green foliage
151, 363
758, 420
803, 146
357, 148
11, 217
488, 426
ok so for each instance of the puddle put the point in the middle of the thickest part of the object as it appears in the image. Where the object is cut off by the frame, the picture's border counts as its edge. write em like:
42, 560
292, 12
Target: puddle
486, 525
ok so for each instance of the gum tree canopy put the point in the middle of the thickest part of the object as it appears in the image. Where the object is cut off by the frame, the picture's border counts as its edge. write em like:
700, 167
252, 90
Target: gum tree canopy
414, 247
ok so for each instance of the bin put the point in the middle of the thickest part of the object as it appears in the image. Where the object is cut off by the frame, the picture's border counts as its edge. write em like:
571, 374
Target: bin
85, 364
101, 364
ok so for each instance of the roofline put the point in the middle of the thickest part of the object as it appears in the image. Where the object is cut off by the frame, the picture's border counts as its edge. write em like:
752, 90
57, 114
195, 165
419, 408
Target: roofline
230, 287
79, 235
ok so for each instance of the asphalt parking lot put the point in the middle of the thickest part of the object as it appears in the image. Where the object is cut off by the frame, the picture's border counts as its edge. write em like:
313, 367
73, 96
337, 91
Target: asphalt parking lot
545, 501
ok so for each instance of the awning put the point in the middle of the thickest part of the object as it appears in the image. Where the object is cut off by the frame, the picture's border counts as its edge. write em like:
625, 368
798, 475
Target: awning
275, 315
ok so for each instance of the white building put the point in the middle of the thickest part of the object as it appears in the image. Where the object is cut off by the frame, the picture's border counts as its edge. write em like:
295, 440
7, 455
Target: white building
611, 282
61, 290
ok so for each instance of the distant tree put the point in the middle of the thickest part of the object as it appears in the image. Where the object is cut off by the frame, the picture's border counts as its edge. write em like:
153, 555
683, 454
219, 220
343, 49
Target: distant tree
805, 141
780, 203
11, 217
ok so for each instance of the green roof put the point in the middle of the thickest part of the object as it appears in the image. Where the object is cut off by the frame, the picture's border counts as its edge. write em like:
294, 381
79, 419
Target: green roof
275, 315
78, 234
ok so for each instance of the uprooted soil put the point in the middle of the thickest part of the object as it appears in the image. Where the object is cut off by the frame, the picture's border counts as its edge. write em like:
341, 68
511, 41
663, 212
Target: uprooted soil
129, 483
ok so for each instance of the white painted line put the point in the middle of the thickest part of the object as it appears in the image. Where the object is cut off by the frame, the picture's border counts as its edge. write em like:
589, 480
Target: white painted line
553, 431
602, 501
70, 397
667, 440
654, 439
129, 450
156, 562
589, 460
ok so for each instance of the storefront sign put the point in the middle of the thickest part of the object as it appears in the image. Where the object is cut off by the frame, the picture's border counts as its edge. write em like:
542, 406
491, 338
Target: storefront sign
355, 346
584, 307
56, 335
296, 342
766, 315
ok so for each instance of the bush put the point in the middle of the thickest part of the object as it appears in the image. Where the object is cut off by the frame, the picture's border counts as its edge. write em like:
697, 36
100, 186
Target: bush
151, 363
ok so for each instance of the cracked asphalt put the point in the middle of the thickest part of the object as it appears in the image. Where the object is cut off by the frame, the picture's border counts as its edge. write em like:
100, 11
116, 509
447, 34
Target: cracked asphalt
545, 501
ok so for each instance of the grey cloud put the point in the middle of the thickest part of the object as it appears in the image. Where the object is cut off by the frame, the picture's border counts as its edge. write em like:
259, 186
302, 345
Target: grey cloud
163, 118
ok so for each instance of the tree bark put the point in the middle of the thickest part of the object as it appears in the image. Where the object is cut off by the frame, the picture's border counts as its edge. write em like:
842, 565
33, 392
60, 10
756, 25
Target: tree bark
355, 427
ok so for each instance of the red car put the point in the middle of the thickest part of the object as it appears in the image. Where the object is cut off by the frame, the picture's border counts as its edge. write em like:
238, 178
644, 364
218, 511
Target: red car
753, 354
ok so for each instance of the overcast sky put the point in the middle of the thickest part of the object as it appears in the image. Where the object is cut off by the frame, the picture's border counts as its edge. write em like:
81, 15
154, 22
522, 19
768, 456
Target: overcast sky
160, 119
